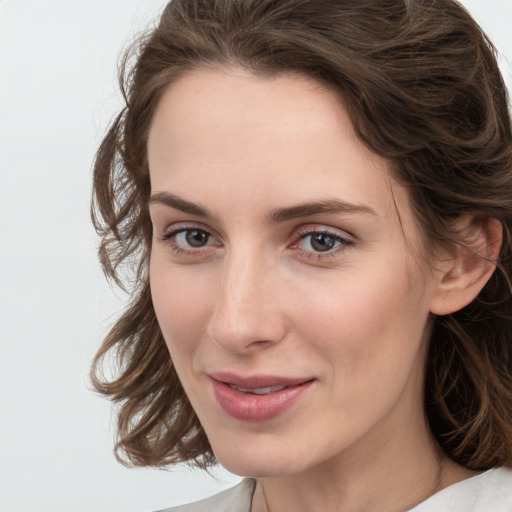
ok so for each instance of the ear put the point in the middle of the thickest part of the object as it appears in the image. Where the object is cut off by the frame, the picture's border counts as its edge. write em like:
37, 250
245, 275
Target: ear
464, 270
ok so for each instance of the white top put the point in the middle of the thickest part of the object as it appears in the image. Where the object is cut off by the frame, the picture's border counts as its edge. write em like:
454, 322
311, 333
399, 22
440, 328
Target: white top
236, 499
488, 492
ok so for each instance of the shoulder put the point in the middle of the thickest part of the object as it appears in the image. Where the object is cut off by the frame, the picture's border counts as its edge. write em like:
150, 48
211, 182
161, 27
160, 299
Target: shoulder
236, 499
491, 490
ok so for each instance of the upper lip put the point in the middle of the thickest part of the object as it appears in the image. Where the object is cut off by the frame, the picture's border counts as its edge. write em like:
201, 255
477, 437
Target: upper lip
257, 381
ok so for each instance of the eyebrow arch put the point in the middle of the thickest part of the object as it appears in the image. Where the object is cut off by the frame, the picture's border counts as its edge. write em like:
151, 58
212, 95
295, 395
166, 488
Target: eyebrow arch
275, 216
315, 208
180, 204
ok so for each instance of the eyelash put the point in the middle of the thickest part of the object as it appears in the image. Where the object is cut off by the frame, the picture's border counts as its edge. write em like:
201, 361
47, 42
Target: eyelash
344, 242
170, 238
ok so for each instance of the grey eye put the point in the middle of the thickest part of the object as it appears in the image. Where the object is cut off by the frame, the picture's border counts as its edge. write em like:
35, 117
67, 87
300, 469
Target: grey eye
322, 242
193, 238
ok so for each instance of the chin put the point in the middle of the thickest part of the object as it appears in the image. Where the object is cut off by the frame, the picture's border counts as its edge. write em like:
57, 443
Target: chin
240, 466
257, 460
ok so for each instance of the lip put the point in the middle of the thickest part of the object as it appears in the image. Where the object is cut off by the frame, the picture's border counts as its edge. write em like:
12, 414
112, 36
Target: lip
247, 406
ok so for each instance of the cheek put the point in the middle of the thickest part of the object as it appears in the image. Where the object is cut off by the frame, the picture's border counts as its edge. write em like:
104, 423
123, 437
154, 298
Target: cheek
370, 332
180, 300
360, 320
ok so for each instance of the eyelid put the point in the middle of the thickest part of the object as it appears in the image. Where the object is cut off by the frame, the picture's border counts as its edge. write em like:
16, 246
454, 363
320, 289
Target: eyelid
344, 239
308, 229
178, 227
192, 254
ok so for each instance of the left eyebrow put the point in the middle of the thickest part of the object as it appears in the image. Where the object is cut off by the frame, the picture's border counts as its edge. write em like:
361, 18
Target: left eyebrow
315, 208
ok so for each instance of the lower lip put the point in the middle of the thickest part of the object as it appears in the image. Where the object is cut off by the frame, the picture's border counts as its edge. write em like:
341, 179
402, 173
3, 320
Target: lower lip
252, 407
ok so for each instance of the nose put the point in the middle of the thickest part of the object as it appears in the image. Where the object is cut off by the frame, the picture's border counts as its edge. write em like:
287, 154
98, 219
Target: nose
248, 312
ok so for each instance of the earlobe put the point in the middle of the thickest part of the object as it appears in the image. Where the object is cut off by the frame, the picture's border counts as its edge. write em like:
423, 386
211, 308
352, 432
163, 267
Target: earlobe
462, 276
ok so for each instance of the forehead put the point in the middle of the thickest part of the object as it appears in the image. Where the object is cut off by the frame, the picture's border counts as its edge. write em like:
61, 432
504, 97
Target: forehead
255, 109
261, 142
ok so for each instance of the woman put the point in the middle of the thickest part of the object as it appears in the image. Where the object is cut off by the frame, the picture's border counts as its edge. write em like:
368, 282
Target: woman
316, 198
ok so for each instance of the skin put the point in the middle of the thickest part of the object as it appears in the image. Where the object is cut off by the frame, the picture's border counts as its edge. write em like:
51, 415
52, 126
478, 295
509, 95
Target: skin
260, 298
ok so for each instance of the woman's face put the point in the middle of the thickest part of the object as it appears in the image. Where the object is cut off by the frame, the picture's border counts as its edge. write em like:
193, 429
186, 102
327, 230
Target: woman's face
291, 294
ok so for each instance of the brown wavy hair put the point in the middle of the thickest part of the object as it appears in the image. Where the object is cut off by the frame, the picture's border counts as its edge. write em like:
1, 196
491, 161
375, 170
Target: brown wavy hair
420, 81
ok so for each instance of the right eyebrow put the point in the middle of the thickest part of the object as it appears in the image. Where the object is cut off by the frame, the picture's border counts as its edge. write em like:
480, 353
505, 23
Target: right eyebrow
180, 204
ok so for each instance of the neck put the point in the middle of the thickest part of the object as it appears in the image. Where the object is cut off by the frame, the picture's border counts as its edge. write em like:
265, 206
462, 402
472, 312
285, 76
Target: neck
397, 473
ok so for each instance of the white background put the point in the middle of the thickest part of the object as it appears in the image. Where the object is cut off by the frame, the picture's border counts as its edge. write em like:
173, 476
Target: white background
57, 93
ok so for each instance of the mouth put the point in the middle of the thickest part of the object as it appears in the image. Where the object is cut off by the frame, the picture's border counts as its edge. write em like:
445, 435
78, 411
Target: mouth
257, 391
257, 398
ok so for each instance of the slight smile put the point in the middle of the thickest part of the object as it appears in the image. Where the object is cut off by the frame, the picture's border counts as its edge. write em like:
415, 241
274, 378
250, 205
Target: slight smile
257, 398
